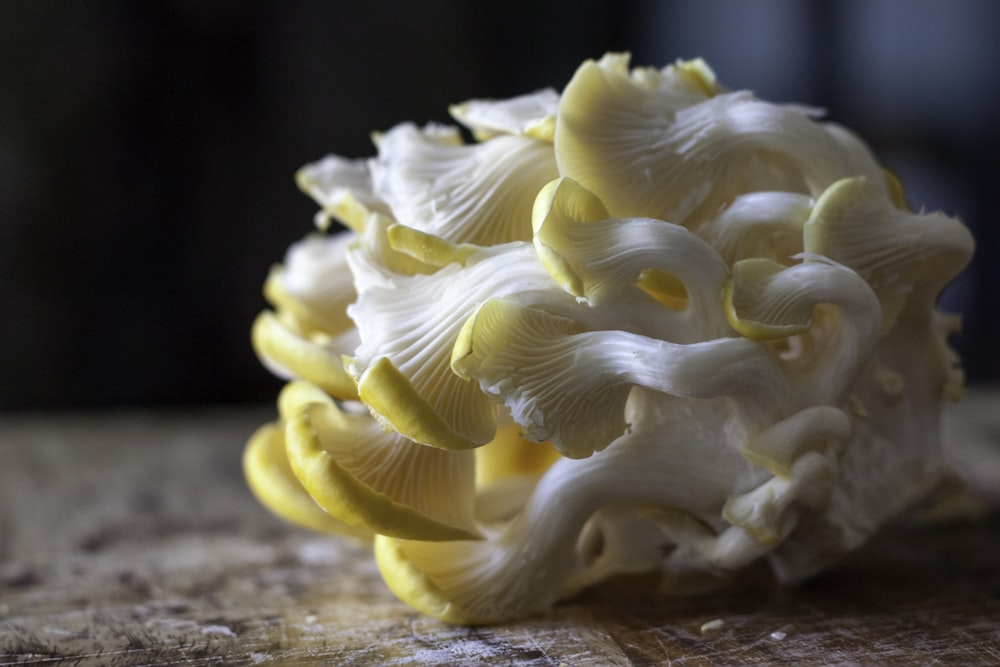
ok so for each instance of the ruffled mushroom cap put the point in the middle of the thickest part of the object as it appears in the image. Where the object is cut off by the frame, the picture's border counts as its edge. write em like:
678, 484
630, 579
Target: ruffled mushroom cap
625, 134
380, 480
343, 189
904, 256
269, 473
480, 193
648, 324
402, 365
306, 334
627, 265
532, 115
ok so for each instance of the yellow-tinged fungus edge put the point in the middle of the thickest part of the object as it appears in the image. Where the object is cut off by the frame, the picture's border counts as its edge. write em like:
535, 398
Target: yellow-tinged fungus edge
276, 295
560, 200
413, 586
395, 401
897, 192
842, 194
350, 500
751, 329
564, 198
346, 208
298, 393
665, 287
428, 248
698, 72
271, 480
560, 269
543, 129
272, 340
463, 346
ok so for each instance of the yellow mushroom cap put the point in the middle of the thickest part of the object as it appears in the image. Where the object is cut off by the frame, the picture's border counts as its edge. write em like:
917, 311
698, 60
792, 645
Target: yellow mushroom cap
645, 324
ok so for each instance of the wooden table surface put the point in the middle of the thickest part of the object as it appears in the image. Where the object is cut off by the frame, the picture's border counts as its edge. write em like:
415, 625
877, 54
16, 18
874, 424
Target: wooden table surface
132, 540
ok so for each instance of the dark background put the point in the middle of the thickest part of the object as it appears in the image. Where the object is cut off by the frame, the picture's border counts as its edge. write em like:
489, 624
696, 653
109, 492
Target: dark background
147, 149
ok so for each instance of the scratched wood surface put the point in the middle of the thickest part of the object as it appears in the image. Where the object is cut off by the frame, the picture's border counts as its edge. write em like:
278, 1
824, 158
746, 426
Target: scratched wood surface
131, 540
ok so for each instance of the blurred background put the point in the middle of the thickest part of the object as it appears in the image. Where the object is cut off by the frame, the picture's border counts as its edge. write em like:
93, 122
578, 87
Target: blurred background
147, 150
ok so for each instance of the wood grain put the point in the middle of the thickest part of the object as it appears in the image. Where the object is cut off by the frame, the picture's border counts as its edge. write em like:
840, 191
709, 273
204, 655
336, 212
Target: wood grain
132, 540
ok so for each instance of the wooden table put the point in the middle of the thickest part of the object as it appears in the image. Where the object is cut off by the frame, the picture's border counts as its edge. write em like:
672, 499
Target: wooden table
132, 540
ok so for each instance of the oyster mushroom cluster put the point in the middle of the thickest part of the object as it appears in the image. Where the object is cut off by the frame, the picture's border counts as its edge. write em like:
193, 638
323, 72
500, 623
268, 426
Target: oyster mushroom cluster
644, 324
